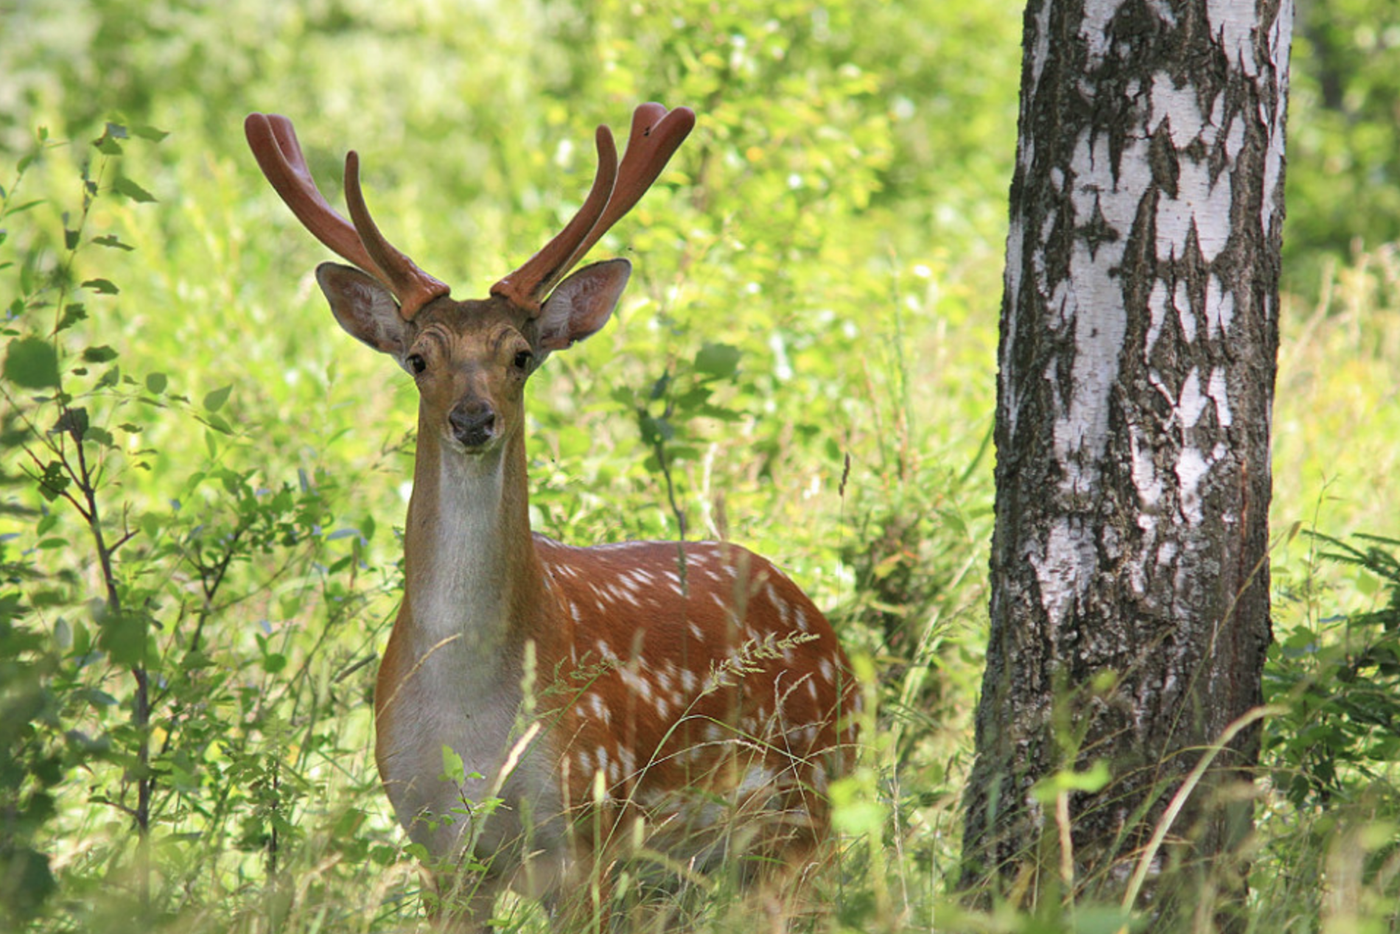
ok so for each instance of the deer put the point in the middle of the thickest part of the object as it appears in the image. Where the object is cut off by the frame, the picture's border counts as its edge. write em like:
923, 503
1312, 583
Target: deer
593, 695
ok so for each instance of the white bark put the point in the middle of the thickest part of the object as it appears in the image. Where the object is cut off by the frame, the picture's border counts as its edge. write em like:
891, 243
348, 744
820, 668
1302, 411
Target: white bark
1139, 327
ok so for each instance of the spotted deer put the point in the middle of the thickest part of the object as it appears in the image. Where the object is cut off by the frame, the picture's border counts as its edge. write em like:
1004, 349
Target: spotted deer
594, 695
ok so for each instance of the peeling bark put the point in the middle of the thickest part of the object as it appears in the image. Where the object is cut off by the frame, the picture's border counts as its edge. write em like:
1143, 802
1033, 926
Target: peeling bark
1139, 332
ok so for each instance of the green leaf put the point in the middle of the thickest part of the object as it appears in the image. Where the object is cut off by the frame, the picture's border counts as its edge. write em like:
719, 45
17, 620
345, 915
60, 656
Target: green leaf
718, 361
102, 286
151, 133
102, 354
31, 362
73, 312
156, 383
453, 769
718, 412
52, 483
107, 144
125, 186
24, 207
73, 422
658, 389
217, 423
122, 636
216, 399
655, 430
114, 242
1093, 779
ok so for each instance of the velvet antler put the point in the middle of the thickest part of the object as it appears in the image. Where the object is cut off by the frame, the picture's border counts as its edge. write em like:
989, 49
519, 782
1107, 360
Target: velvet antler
274, 144
656, 134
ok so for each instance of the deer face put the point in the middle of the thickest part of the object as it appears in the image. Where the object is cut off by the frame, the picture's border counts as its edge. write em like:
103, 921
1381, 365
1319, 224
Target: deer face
470, 359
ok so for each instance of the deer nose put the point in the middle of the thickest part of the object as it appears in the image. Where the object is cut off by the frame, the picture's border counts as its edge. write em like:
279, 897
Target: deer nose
473, 422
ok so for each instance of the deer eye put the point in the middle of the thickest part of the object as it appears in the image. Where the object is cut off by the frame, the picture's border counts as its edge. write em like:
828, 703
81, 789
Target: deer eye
523, 359
416, 363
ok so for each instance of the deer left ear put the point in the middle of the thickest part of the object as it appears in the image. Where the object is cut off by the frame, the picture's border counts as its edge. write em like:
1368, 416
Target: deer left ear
582, 303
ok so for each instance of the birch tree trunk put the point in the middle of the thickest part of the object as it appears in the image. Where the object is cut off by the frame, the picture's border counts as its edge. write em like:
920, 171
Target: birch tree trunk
1139, 330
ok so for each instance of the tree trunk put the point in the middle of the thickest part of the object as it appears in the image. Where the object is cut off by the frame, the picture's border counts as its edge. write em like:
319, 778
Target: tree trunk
1139, 331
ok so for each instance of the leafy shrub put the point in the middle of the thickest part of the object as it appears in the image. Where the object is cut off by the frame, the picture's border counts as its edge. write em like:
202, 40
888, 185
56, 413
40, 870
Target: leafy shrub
1341, 684
116, 662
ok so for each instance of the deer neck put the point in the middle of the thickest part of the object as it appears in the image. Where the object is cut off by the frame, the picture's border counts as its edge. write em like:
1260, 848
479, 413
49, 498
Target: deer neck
471, 572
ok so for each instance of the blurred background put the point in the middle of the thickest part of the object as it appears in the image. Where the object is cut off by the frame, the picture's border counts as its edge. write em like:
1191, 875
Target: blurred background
805, 356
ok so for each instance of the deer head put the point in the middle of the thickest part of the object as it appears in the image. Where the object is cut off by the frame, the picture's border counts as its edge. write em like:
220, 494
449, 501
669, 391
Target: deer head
471, 358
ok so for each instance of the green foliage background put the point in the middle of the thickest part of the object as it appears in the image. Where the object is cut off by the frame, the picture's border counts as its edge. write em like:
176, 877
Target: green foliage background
808, 342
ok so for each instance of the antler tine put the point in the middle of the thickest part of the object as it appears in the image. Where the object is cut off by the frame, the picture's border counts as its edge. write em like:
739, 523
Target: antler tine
413, 287
655, 137
656, 134
531, 282
274, 143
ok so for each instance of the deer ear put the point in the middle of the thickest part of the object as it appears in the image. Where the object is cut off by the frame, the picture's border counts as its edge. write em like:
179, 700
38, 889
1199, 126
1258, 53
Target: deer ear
364, 308
582, 303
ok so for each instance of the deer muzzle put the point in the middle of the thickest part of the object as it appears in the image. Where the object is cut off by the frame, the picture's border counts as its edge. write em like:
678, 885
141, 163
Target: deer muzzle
473, 423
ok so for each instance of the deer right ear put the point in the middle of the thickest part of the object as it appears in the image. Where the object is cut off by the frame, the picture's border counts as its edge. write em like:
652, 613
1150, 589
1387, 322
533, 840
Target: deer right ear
582, 303
364, 308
